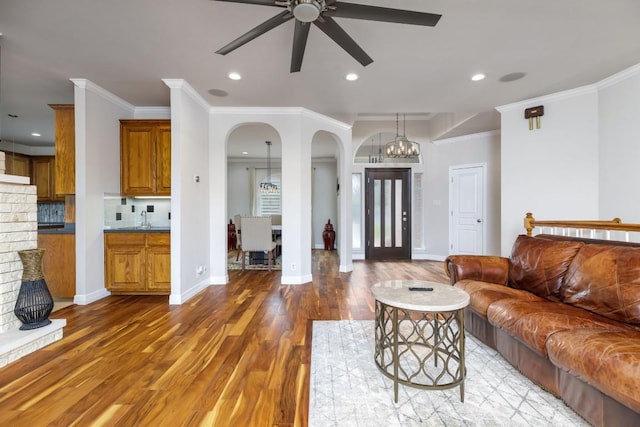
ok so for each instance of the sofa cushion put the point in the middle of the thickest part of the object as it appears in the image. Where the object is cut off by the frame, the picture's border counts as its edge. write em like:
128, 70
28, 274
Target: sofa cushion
482, 294
605, 279
609, 361
538, 265
532, 322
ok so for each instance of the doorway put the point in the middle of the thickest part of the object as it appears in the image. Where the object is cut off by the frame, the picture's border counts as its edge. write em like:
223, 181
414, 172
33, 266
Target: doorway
467, 208
388, 213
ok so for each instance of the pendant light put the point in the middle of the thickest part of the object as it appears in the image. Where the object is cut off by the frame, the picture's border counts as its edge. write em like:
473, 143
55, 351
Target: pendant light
401, 147
267, 186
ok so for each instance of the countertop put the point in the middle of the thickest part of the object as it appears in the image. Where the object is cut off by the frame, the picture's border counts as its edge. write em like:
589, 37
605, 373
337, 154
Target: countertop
138, 230
72, 230
68, 228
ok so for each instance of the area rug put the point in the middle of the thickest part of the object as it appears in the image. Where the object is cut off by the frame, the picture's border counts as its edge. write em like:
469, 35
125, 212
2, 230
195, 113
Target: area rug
348, 390
232, 264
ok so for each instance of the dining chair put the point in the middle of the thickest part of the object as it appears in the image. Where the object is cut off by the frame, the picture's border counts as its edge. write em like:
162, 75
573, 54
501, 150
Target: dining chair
257, 237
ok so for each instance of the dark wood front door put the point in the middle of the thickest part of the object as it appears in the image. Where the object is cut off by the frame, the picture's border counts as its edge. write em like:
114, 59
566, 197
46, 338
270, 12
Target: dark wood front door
388, 213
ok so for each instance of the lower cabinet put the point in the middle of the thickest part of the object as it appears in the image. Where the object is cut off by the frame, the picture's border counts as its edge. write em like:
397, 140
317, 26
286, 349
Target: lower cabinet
59, 263
158, 262
138, 263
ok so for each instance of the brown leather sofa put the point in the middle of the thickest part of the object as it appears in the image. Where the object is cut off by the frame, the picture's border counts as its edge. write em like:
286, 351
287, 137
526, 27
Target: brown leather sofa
566, 313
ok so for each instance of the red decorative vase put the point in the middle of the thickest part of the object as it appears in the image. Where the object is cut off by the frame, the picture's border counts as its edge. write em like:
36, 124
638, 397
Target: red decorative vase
328, 236
232, 238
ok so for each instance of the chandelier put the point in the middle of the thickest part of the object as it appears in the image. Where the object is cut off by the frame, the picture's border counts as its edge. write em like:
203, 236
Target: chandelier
401, 147
267, 186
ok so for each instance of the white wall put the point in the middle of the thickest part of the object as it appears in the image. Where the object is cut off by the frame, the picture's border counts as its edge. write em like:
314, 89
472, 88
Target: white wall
552, 171
619, 118
481, 148
191, 191
238, 183
325, 199
97, 114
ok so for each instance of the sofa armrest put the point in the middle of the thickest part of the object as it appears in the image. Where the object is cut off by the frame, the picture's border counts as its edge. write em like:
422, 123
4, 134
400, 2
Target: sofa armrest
492, 269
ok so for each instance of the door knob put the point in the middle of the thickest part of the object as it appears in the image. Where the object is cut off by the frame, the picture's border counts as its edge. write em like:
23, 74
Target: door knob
478, 220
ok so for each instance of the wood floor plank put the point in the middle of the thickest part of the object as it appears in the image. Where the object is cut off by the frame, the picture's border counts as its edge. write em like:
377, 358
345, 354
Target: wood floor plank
232, 355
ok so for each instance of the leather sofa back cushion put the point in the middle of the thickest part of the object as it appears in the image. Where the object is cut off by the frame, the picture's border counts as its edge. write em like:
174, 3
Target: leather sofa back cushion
539, 265
605, 279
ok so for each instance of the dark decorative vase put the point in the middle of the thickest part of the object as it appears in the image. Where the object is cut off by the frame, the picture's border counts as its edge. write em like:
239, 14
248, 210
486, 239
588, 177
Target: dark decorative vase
232, 238
328, 236
34, 303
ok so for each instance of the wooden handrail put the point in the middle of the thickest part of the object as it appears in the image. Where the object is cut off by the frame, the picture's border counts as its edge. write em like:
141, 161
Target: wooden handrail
615, 224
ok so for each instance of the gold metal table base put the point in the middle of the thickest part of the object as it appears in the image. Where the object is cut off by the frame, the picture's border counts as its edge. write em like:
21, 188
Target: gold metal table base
423, 350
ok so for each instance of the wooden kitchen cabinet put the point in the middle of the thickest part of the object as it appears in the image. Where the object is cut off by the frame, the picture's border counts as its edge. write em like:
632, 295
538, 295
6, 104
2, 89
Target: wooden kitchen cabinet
138, 263
145, 157
65, 149
59, 263
159, 262
43, 177
17, 164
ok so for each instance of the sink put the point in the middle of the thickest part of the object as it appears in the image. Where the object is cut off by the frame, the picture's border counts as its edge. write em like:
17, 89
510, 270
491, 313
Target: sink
151, 227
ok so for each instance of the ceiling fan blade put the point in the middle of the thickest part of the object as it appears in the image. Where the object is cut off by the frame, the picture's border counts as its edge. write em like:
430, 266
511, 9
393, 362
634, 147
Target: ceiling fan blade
299, 44
260, 2
383, 14
338, 35
270, 24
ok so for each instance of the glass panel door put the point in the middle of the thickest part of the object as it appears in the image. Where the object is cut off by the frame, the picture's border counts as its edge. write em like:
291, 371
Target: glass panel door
388, 213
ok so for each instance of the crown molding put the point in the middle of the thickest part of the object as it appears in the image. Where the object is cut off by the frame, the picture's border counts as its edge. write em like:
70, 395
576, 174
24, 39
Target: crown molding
183, 85
465, 138
366, 117
92, 87
152, 113
628, 73
279, 111
558, 96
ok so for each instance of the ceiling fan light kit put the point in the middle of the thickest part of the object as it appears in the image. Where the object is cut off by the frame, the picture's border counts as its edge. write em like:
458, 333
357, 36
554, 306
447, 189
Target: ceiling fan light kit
321, 14
307, 10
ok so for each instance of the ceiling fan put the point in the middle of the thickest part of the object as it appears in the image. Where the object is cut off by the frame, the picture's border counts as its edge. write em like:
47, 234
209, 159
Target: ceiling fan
321, 14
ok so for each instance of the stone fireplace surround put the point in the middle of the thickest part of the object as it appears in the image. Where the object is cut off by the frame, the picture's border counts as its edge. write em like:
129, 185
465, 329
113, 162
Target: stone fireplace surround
18, 231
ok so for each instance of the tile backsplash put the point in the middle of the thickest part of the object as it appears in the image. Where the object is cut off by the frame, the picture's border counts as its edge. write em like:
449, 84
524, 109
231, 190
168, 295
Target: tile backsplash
51, 213
125, 212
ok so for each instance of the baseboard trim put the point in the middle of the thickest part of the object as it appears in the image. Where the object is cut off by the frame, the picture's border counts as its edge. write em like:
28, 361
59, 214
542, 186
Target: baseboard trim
84, 299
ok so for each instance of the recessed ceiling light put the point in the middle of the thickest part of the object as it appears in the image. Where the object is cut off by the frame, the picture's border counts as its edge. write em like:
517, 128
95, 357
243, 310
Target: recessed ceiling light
245, 152
351, 77
35, 134
478, 77
235, 76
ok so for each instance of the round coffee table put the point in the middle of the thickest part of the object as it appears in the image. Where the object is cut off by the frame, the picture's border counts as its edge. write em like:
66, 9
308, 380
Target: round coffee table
419, 334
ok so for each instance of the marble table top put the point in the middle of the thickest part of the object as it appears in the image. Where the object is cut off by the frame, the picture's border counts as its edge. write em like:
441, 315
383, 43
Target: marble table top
442, 298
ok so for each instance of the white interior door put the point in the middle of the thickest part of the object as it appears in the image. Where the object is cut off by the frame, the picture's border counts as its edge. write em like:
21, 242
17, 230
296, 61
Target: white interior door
467, 206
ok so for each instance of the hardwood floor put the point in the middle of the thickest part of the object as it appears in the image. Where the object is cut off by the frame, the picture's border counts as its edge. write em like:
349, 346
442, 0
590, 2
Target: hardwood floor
235, 355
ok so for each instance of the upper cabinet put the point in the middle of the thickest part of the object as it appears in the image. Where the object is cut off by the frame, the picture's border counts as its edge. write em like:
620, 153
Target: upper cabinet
17, 164
145, 157
43, 177
65, 148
